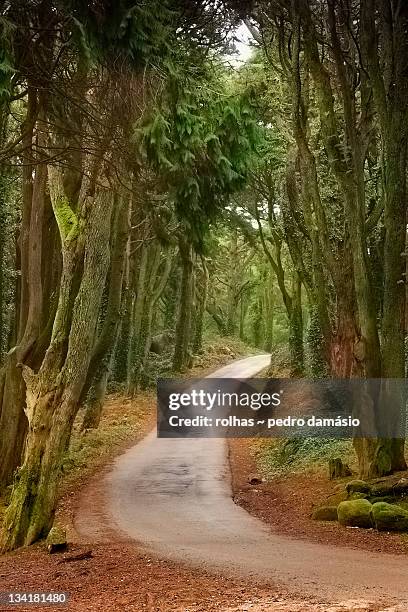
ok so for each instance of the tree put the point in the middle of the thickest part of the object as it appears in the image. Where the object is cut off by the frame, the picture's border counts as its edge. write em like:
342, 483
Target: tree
333, 56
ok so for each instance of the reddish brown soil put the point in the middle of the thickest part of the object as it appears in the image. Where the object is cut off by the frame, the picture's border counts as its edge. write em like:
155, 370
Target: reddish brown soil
286, 504
118, 577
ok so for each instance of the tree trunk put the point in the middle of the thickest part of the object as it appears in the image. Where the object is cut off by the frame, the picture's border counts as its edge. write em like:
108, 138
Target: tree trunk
393, 321
101, 355
269, 315
317, 363
345, 336
181, 356
13, 423
216, 313
149, 266
243, 309
3, 328
388, 76
53, 393
296, 350
201, 309
258, 323
96, 397
121, 358
233, 285
154, 289
136, 317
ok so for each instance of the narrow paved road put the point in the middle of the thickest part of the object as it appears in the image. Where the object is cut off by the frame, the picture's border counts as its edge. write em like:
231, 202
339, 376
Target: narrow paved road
174, 497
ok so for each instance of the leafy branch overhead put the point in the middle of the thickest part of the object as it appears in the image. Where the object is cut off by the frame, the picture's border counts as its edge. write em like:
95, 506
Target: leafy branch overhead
202, 142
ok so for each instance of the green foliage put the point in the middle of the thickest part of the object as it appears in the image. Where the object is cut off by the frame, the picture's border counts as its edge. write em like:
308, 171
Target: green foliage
316, 364
201, 142
294, 455
141, 32
6, 58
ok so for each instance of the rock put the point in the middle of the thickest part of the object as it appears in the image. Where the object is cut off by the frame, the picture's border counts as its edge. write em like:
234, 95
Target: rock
355, 513
390, 486
401, 487
358, 486
338, 469
57, 540
335, 498
325, 513
161, 342
389, 517
382, 489
387, 498
358, 496
254, 479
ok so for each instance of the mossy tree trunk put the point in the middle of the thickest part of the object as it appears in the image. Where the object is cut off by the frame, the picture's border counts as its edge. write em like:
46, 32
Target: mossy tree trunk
268, 300
345, 334
202, 288
292, 300
13, 422
296, 348
388, 76
93, 392
155, 283
258, 322
120, 361
181, 356
218, 316
234, 282
52, 393
136, 315
243, 309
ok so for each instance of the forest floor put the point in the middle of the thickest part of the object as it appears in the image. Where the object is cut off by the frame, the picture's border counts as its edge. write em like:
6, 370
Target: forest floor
119, 578
116, 575
285, 503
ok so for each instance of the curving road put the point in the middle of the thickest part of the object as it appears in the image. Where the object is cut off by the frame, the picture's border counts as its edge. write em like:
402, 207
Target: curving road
174, 497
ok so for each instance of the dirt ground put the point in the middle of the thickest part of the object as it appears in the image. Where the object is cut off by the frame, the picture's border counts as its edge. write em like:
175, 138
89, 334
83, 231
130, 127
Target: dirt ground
286, 504
116, 576
119, 578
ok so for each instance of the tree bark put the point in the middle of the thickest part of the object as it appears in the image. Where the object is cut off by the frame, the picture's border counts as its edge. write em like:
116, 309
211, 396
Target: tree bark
100, 363
181, 356
155, 283
296, 349
52, 394
201, 309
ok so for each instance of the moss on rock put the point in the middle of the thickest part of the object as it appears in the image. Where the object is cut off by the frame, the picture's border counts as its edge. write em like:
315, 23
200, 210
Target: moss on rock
389, 517
387, 498
355, 513
325, 513
358, 486
358, 496
57, 540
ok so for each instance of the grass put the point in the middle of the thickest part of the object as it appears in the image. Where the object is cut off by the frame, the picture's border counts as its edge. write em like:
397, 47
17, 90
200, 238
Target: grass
278, 457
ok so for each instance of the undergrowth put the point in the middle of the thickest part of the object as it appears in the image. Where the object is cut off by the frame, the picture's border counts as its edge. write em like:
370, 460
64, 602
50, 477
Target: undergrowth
278, 457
